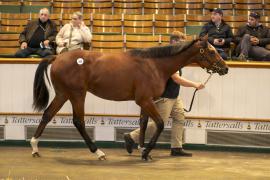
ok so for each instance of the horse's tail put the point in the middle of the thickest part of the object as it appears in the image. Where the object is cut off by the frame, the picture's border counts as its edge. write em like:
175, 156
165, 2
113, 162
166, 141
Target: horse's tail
40, 90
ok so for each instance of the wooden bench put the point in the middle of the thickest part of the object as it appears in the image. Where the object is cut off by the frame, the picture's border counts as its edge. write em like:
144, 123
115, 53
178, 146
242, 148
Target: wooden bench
8, 44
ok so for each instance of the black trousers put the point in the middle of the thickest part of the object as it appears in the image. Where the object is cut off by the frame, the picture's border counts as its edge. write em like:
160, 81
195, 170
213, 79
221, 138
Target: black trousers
23, 53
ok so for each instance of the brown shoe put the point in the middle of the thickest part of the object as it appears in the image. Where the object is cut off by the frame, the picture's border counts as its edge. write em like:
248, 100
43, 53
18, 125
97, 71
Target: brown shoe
129, 143
179, 152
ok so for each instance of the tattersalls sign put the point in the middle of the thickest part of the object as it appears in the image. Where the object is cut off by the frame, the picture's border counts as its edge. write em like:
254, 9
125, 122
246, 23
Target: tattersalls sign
134, 122
13, 123
58, 120
261, 126
224, 125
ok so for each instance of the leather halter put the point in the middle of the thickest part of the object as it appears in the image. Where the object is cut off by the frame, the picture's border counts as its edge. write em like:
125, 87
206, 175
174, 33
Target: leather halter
214, 67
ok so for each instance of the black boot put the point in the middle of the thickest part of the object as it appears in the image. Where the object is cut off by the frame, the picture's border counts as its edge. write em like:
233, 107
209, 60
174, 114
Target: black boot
179, 152
129, 143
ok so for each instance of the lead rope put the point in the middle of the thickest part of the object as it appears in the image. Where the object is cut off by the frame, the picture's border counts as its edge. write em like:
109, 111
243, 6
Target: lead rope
191, 103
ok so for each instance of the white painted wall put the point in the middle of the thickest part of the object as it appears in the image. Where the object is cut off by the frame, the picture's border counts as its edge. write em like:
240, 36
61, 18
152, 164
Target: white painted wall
243, 93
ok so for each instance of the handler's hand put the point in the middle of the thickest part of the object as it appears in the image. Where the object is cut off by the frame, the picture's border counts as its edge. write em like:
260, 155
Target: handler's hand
199, 86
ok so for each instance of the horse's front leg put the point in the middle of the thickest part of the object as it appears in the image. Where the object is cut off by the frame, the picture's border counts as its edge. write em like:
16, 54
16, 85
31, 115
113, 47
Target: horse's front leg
149, 107
77, 102
143, 125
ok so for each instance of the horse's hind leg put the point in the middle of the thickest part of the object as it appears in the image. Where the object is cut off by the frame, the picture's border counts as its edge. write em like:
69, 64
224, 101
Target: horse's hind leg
47, 116
149, 107
78, 121
143, 125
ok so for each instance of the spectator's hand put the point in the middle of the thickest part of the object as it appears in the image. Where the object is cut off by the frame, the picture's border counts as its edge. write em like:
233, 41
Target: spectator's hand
81, 25
46, 43
199, 86
222, 42
62, 44
218, 42
254, 40
23, 45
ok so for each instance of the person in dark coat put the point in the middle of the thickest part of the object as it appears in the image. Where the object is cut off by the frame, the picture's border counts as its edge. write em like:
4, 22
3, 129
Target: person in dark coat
219, 33
252, 39
37, 36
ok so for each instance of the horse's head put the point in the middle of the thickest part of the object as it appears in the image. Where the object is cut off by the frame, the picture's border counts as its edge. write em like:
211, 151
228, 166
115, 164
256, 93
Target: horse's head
209, 58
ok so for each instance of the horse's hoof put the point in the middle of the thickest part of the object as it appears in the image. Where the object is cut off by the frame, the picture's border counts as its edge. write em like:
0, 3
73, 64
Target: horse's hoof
102, 158
146, 156
101, 155
36, 154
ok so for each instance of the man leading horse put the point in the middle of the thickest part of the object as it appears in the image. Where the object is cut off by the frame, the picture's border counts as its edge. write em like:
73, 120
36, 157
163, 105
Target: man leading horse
139, 75
169, 104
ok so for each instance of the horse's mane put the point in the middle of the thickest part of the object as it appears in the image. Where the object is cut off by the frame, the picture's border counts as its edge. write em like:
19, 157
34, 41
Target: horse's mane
162, 51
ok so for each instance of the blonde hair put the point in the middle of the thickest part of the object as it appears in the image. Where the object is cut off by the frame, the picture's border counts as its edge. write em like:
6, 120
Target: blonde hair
78, 14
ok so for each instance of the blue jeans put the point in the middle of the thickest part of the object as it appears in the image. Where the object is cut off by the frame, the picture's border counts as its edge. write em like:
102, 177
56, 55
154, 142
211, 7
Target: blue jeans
222, 53
23, 53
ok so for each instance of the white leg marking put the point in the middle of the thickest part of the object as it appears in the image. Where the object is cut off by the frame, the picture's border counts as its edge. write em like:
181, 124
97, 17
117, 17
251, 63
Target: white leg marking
101, 155
141, 149
34, 144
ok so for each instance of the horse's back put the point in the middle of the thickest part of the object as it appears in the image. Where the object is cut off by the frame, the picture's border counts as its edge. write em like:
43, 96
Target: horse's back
70, 68
113, 76
93, 71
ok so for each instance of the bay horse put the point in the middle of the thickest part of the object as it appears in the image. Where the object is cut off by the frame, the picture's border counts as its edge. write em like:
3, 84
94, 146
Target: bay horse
139, 74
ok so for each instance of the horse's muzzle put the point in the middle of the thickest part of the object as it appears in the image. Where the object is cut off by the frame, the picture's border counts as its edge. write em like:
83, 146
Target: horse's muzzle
220, 68
223, 71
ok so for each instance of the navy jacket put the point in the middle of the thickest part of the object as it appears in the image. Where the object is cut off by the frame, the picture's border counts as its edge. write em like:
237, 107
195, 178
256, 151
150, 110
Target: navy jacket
224, 31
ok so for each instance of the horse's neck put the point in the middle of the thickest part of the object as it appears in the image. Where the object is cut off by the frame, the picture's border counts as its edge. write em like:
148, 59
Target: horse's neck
170, 65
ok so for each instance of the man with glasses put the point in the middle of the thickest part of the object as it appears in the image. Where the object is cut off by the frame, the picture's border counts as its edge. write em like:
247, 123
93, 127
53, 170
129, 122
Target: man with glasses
37, 36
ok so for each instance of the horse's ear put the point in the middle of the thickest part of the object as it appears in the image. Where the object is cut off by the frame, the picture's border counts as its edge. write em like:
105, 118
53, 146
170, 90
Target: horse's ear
203, 41
204, 38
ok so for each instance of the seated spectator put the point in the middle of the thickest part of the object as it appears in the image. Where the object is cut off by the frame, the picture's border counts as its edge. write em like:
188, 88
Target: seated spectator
252, 39
219, 33
37, 36
73, 35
